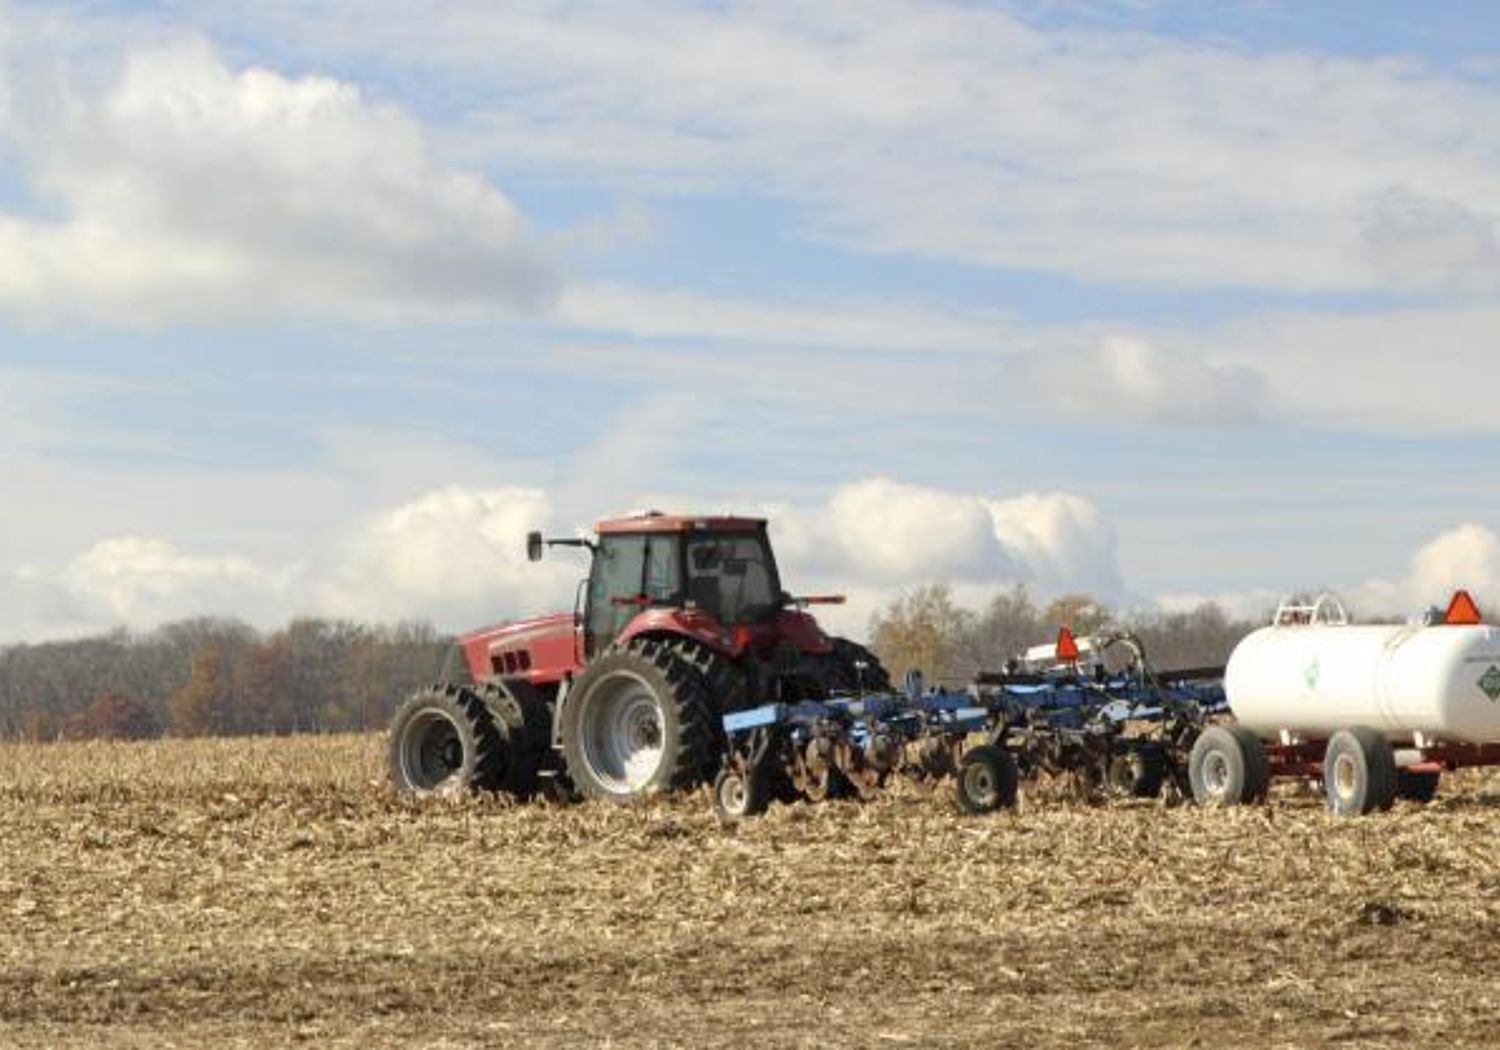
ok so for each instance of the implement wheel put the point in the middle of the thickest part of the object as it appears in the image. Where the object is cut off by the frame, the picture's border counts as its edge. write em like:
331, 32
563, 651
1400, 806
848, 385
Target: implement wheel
1228, 767
987, 780
636, 722
445, 739
1136, 772
1359, 772
740, 793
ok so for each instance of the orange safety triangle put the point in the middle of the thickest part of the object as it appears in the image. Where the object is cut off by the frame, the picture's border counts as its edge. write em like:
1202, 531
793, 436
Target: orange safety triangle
1462, 610
1067, 648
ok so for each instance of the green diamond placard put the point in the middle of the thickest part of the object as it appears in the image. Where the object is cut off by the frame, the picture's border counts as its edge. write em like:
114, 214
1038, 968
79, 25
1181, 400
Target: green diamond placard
1490, 682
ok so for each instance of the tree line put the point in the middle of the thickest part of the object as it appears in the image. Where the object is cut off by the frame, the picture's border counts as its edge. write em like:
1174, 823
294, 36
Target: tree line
212, 676
927, 629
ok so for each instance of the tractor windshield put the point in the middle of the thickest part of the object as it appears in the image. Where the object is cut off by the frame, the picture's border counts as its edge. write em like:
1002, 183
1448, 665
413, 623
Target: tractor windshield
629, 570
732, 576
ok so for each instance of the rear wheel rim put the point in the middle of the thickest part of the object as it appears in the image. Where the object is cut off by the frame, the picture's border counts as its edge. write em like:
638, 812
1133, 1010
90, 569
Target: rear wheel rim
432, 750
623, 733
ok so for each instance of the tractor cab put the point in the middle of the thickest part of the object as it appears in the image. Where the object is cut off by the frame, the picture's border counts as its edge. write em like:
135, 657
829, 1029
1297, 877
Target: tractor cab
725, 574
719, 570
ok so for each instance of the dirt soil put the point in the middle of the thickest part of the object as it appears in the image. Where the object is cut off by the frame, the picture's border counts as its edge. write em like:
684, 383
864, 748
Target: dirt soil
275, 893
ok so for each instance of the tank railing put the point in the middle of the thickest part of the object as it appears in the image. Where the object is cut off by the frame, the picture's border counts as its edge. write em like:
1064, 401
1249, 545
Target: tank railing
1325, 609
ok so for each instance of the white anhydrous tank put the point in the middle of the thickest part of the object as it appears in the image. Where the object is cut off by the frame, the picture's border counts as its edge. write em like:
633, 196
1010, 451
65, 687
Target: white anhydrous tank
1442, 681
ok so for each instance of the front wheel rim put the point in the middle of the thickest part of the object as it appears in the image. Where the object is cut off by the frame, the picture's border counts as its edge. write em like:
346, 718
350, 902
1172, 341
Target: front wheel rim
432, 751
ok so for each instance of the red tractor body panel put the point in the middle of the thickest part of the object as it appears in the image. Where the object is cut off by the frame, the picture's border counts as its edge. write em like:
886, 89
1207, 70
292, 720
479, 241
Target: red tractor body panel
690, 623
649, 523
542, 651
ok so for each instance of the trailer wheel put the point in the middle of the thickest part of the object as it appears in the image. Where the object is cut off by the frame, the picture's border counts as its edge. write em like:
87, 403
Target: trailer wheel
987, 780
1359, 772
1228, 767
740, 793
1136, 772
1417, 787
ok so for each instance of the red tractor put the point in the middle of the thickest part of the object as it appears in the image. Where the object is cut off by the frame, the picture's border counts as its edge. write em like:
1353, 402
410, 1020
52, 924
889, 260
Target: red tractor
682, 619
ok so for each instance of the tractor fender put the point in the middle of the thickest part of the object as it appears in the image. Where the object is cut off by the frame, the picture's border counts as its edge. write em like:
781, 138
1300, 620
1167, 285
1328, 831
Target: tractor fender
802, 630
687, 623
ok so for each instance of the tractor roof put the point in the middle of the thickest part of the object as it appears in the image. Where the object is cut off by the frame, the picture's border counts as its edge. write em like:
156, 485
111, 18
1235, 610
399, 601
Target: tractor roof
654, 521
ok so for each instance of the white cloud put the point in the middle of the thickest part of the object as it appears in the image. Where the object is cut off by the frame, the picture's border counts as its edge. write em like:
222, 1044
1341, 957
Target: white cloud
890, 532
1418, 241
1064, 541
1464, 557
188, 190
1417, 370
871, 324
455, 555
960, 131
1136, 380
135, 580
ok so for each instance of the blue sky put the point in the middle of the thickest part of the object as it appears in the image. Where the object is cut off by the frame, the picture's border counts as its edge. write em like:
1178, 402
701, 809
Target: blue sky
316, 308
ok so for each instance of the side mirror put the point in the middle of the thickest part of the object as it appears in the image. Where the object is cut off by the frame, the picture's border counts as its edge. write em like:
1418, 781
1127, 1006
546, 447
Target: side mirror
533, 546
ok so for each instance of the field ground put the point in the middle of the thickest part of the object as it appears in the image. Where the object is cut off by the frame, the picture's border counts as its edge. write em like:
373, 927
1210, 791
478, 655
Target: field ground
274, 893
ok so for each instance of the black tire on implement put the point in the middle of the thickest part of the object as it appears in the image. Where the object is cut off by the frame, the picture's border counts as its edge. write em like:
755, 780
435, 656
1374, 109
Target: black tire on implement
635, 722
1137, 770
987, 780
445, 739
740, 793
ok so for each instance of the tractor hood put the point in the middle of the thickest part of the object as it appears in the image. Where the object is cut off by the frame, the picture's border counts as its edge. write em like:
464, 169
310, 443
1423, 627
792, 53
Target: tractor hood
541, 650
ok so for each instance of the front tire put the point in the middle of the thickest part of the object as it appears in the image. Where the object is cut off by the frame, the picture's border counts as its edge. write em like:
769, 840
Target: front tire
636, 722
444, 739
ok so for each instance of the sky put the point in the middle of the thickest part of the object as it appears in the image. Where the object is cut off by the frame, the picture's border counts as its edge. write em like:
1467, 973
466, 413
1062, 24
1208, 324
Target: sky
317, 308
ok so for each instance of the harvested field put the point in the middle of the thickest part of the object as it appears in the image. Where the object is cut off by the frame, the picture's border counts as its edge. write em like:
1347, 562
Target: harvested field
273, 892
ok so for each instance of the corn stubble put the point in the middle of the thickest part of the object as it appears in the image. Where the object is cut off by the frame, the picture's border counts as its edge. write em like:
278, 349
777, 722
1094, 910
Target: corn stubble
274, 892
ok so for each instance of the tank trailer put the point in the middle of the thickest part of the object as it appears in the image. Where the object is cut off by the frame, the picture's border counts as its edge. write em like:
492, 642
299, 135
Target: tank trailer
1376, 712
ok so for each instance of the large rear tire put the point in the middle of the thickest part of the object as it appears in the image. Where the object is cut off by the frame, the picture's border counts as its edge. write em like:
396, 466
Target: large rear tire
637, 722
1228, 767
444, 739
726, 684
856, 670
